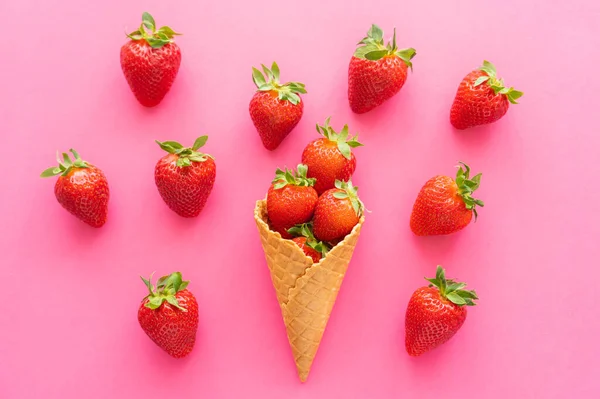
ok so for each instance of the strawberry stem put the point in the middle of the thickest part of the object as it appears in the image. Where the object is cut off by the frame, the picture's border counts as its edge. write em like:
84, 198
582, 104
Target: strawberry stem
306, 230
466, 187
270, 82
496, 83
156, 38
452, 290
372, 47
186, 155
65, 165
166, 289
344, 143
293, 178
348, 190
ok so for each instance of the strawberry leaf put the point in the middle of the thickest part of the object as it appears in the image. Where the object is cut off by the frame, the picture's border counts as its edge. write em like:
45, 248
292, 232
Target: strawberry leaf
496, 83
270, 82
258, 78
156, 38
466, 187
376, 54
452, 290
166, 289
148, 21
480, 80
275, 70
186, 155
372, 47
200, 141
456, 299
65, 164
293, 178
51, 172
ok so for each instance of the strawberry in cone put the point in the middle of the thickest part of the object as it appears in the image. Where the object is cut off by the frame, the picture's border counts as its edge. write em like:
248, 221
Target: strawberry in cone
305, 239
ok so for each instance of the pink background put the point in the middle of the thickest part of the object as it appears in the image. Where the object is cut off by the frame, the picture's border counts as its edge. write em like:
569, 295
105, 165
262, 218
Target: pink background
69, 326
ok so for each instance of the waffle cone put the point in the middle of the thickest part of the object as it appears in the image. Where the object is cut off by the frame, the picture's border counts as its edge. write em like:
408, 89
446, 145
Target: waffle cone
306, 291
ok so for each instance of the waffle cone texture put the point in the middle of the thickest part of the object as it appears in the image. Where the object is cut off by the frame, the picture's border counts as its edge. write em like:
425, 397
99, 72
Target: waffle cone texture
306, 291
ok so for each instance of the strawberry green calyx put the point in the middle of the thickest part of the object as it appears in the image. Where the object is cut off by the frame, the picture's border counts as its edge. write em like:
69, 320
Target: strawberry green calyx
305, 230
452, 290
270, 82
351, 192
187, 155
293, 178
373, 48
343, 142
166, 288
466, 187
496, 83
65, 165
155, 38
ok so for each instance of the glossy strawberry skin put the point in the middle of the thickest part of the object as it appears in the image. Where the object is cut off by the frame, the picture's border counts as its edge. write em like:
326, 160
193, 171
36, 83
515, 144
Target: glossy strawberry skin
431, 320
326, 163
170, 328
476, 105
289, 206
310, 252
371, 83
149, 71
334, 218
84, 193
274, 118
185, 189
439, 209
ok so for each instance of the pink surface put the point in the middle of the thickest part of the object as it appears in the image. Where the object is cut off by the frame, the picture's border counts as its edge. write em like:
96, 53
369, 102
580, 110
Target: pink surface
69, 327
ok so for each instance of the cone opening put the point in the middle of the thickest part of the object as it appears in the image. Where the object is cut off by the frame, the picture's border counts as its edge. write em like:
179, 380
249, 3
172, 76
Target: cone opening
261, 215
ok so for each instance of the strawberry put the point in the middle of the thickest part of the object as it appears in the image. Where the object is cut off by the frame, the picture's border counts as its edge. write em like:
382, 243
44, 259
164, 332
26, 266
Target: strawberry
376, 72
185, 177
150, 61
275, 108
481, 98
445, 205
330, 157
291, 200
435, 313
81, 189
169, 315
307, 242
337, 212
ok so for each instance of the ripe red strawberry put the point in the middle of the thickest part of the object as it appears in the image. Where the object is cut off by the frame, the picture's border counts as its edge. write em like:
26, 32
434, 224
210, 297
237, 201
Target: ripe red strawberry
169, 315
330, 158
337, 212
150, 61
185, 177
481, 98
445, 205
435, 313
276, 108
307, 242
376, 72
291, 200
81, 189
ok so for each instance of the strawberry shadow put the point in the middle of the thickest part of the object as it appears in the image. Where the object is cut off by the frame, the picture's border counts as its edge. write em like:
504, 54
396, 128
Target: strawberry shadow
78, 233
378, 119
475, 136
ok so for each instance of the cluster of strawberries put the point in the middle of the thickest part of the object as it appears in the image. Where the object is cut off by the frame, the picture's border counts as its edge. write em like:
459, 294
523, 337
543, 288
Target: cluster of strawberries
318, 202
316, 205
